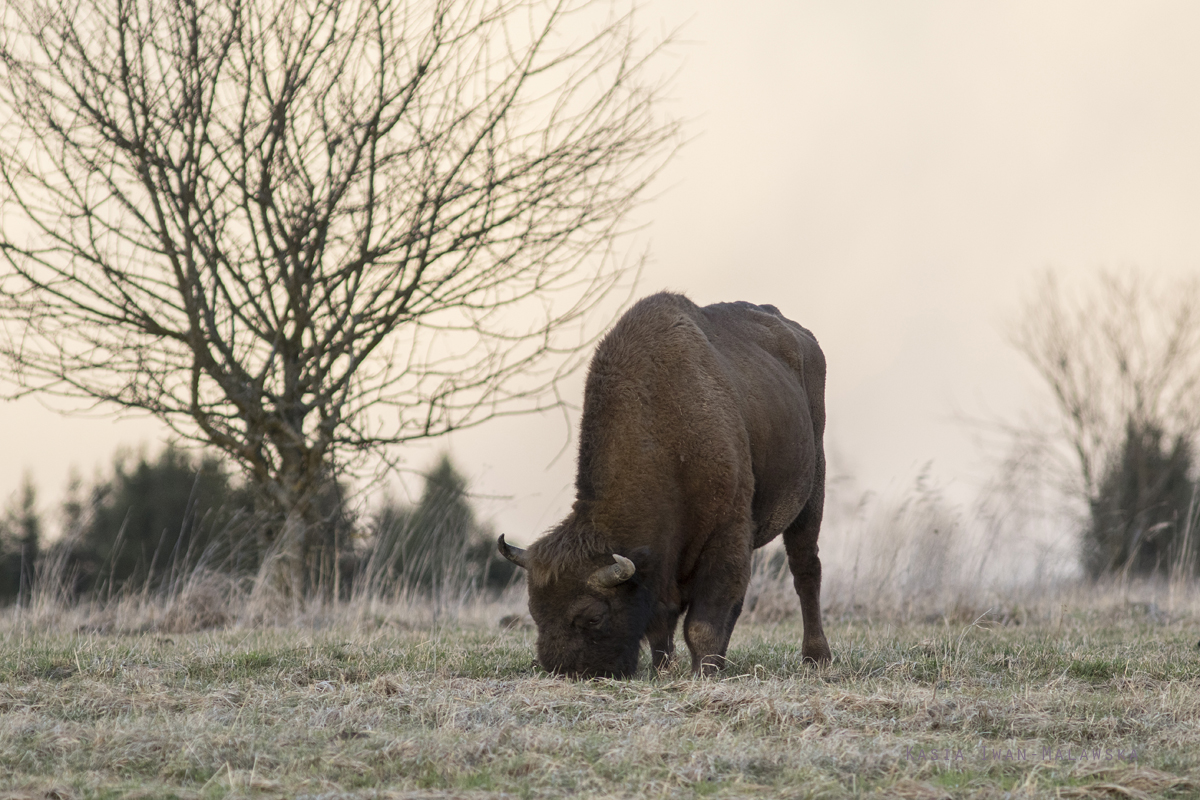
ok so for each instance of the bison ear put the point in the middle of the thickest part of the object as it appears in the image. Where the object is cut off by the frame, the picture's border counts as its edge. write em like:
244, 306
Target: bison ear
612, 575
643, 558
514, 554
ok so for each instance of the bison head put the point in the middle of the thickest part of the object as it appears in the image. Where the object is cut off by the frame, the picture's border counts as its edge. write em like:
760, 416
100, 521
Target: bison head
590, 622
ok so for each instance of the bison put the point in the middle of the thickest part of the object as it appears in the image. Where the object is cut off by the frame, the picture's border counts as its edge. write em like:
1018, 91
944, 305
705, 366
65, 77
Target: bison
701, 440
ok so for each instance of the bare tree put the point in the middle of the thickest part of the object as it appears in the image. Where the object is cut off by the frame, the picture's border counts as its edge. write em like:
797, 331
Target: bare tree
1122, 361
301, 230
1126, 351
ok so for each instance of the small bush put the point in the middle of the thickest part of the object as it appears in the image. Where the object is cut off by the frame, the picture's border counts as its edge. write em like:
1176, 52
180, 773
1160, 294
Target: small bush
1142, 517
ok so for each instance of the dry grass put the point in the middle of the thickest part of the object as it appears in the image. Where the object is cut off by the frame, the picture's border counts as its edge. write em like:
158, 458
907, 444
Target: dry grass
1078, 693
947, 682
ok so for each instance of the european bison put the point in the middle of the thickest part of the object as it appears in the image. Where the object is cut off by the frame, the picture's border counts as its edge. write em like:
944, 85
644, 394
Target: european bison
701, 440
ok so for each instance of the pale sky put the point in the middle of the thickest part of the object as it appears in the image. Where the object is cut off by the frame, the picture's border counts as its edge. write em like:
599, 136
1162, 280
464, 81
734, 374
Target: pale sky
893, 176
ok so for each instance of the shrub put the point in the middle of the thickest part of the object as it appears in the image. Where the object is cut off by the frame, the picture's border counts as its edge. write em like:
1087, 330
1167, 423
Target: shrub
1142, 515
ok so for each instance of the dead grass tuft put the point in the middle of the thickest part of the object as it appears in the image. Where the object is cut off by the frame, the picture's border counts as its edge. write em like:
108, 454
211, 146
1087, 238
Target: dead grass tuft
1140, 783
49, 793
909, 789
386, 685
207, 601
517, 621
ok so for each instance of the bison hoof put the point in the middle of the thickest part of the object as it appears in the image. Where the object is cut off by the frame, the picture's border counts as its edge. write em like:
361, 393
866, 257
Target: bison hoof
816, 654
710, 665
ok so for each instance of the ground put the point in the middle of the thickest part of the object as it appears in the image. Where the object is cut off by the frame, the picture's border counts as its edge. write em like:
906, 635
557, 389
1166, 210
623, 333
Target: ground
1077, 703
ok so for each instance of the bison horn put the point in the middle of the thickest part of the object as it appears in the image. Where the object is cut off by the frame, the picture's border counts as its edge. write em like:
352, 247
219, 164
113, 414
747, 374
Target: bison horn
513, 554
608, 577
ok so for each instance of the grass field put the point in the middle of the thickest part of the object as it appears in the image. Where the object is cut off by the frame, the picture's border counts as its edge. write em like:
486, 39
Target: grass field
1086, 695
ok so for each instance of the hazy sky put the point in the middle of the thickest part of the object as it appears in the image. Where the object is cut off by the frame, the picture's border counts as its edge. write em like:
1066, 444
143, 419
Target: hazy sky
893, 176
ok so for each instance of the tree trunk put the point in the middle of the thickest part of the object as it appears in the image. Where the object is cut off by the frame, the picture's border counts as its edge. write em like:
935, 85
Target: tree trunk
283, 575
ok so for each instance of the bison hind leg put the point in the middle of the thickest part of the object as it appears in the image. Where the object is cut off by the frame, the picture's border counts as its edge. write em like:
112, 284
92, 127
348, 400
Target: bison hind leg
800, 541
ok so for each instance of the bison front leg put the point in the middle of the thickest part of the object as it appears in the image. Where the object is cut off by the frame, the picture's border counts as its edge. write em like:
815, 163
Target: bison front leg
800, 541
718, 592
707, 630
661, 635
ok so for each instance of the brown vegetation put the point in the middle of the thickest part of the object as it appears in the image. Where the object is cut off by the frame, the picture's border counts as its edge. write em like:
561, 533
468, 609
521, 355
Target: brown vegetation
1071, 691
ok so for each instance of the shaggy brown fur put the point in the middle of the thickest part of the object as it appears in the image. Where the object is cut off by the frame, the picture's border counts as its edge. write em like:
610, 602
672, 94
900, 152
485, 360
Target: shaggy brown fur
701, 440
563, 551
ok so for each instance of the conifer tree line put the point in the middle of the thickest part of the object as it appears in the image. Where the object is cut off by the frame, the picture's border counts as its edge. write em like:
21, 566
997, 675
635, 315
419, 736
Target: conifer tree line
152, 521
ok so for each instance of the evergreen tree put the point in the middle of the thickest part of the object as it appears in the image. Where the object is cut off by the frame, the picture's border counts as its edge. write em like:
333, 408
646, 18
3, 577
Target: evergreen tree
20, 545
152, 520
438, 544
1140, 514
